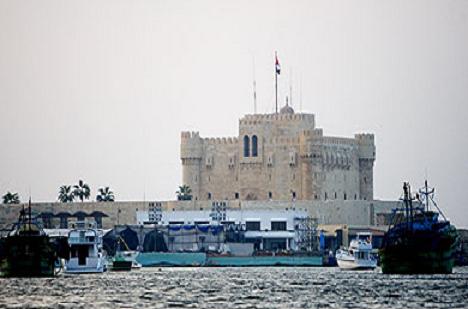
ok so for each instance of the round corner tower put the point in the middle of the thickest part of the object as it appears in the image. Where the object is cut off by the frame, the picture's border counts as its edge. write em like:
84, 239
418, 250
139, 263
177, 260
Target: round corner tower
191, 151
366, 153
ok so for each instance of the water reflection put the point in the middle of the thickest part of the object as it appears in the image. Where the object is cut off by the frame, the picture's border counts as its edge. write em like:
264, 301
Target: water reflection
238, 288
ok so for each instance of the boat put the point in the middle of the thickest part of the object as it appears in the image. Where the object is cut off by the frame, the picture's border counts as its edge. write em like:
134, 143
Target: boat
131, 256
124, 260
264, 260
27, 250
119, 263
149, 259
359, 254
86, 253
418, 241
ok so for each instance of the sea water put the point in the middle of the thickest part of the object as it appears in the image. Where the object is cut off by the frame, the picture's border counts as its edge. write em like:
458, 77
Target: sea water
259, 287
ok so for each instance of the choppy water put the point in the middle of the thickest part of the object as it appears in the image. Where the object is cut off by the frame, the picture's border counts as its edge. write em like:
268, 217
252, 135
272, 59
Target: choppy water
238, 288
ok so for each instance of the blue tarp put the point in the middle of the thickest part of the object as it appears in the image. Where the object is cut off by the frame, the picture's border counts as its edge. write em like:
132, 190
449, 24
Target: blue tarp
322, 240
175, 227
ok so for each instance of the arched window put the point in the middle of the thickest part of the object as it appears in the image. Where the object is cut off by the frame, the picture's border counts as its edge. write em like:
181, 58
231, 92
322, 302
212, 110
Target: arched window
254, 146
246, 146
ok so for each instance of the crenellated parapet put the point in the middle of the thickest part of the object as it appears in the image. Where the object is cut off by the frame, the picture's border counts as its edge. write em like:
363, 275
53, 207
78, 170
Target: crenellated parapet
254, 119
191, 145
366, 145
221, 141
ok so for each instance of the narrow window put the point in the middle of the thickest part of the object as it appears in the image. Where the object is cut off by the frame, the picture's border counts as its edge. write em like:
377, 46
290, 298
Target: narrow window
326, 195
246, 146
335, 196
294, 195
254, 146
344, 196
270, 195
236, 195
355, 196
209, 195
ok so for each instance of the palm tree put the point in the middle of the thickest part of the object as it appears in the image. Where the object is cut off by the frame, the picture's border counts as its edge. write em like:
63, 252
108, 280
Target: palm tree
66, 194
82, 190
11, 198
184, 193
105, 195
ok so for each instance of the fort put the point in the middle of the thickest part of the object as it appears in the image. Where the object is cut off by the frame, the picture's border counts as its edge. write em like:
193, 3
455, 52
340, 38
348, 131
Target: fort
278, 157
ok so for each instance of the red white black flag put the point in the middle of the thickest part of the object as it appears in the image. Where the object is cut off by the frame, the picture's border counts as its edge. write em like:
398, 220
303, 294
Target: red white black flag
277, 64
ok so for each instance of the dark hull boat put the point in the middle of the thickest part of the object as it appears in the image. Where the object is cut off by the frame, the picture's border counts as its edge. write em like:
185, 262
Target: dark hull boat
28, 256
28, 251
418, 242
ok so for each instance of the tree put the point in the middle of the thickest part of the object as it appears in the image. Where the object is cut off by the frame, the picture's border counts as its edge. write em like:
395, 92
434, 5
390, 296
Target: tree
105, 195
11, 198
82, 190
66, 195
184, 193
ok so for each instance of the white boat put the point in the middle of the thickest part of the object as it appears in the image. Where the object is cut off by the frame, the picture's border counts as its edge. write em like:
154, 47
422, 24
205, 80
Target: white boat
86, 253
358, 255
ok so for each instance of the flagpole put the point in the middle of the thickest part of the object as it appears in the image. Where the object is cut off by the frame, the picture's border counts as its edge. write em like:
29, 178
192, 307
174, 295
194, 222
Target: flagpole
276, 85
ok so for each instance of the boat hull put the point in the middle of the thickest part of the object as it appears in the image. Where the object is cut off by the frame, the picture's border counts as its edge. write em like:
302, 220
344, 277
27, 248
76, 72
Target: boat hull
246, 261
149, 259
92, 265
121, 265
28, 256
405, 260
420, 252
356, 265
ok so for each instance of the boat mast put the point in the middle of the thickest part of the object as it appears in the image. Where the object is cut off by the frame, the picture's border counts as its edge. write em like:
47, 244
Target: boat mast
405, 200
426, 192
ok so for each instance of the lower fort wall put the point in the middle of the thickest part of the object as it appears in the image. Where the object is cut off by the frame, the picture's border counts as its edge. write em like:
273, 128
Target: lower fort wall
348, 212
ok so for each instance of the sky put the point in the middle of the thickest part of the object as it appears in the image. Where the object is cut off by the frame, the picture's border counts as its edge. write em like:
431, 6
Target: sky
100, 90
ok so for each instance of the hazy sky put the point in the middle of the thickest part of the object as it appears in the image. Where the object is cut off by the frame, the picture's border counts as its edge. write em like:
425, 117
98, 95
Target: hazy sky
100, 90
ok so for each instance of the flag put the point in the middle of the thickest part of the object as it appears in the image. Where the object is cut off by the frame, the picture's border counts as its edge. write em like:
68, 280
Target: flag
277, 64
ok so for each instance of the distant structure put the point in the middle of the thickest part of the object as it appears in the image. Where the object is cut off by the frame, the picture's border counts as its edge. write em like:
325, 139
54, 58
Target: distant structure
278, 157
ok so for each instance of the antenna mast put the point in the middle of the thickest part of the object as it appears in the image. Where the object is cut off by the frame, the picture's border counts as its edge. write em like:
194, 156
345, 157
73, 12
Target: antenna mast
254, 87
290, 89
300, 93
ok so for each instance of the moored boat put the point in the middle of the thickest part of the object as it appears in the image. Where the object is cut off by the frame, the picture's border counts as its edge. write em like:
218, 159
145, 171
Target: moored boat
28, 251
418, 241
359, 254
149, 259
86, 254
264, 260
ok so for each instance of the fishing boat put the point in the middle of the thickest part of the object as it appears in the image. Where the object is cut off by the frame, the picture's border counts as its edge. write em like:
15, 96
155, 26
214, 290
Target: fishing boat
359, 254
418, 240
124, 260
28, 251
86, 253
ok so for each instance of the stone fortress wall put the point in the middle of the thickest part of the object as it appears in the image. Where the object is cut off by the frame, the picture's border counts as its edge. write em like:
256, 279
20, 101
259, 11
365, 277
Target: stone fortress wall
349, 212
278, 157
